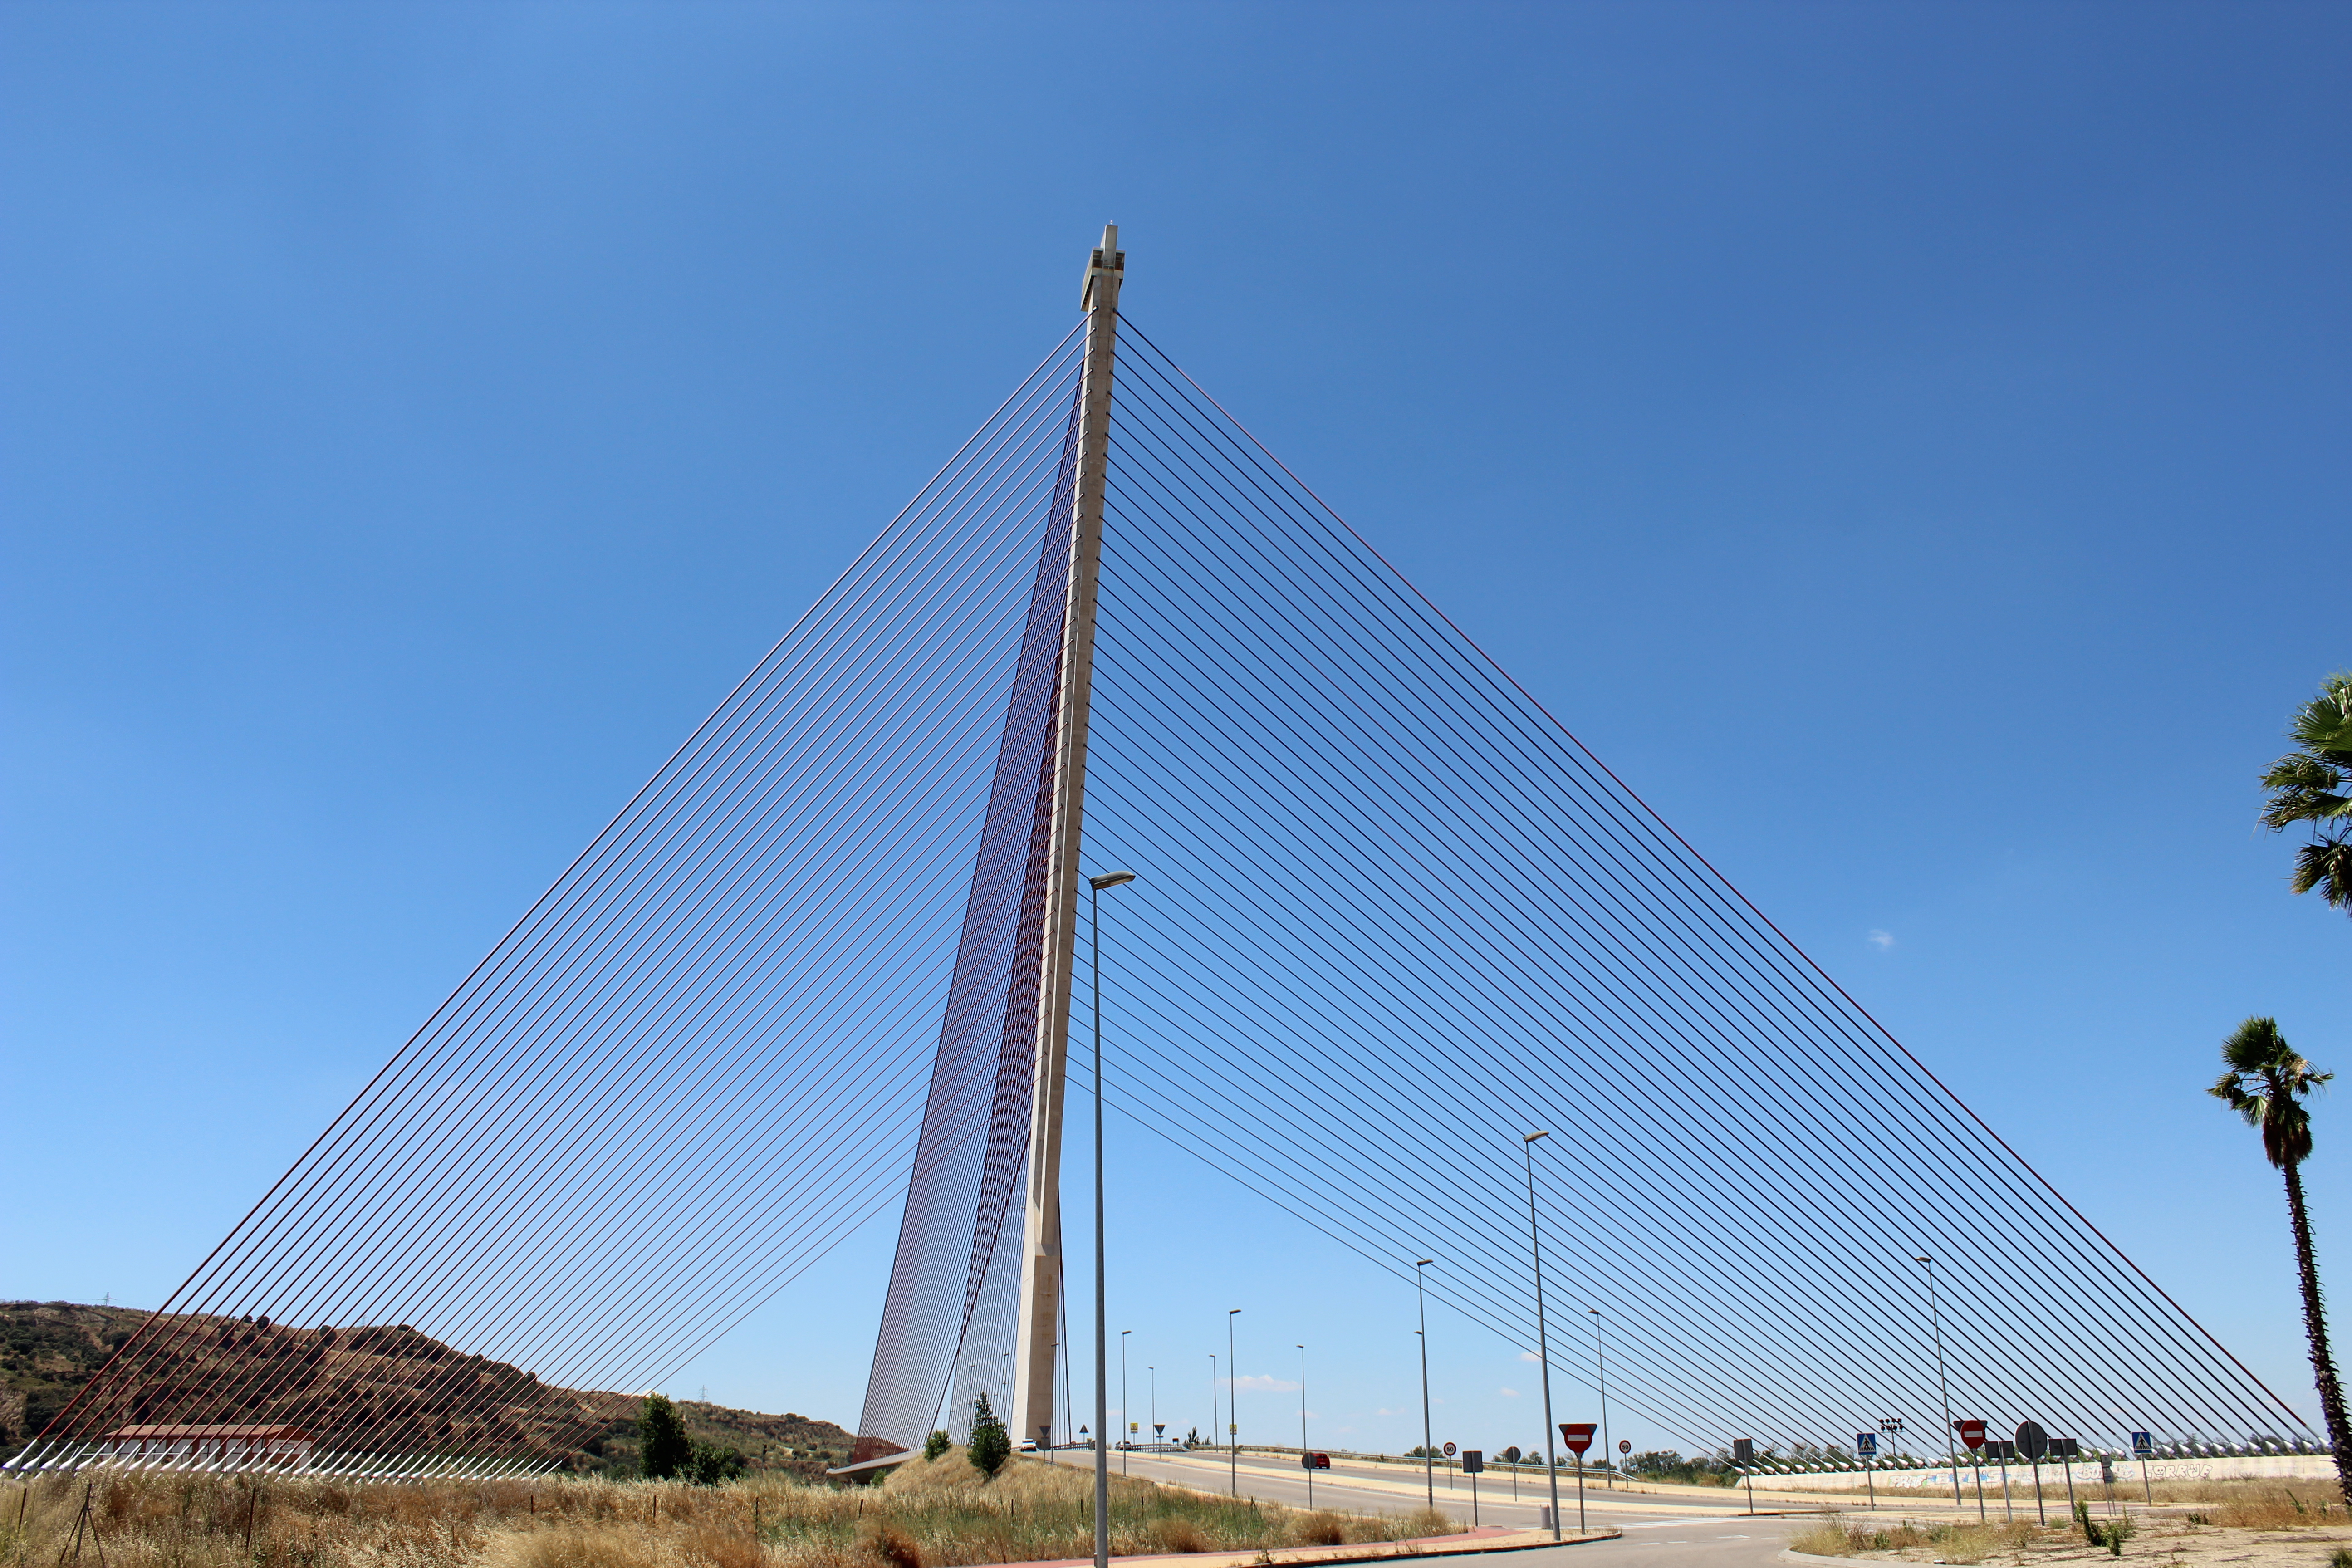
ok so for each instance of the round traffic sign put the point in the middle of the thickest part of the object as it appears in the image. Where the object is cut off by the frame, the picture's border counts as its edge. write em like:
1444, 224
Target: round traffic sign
2033, 1443
1624, 1444
1449, 1451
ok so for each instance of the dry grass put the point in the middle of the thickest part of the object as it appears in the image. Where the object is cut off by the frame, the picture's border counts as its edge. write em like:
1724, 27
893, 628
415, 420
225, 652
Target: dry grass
1836, 1536
936, 1514
2255, 1504
2248, 1525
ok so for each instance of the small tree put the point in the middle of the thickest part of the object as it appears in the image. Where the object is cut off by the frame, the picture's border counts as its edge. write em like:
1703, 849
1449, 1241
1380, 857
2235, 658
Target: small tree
935, 1445
663, 1447
991, 1445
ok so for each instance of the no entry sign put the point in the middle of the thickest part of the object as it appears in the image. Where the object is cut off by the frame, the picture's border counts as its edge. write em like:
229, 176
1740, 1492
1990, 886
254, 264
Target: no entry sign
1973, 1433
1578, 1435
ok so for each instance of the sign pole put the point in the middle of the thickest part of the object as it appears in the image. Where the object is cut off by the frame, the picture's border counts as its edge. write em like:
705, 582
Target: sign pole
1972, 1433
1578, 1435
2033, 1444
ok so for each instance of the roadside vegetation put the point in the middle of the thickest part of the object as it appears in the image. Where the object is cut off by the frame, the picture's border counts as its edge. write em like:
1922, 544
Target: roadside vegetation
929, 1514
2219, 1521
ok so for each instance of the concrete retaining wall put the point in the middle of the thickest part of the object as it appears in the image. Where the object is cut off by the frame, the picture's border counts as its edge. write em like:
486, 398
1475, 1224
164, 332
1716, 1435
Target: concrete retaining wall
2281, 1467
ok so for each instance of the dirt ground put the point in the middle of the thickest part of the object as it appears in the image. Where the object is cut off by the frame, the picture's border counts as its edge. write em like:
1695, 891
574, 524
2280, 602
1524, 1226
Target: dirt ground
2274, 1530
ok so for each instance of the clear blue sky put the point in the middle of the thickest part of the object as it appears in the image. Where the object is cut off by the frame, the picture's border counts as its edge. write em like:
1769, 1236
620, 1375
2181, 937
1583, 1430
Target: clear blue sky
1907, 442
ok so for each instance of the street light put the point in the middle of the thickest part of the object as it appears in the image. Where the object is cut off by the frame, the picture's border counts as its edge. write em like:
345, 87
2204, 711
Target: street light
1233, 1410
1303, 1460
1543, 1345
1102, 1314
1428, 1462
1936, 1317
1600, 1358
1124, 1422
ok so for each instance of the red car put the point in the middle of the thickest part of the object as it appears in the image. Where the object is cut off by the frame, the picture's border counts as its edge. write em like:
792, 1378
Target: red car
1313, 1461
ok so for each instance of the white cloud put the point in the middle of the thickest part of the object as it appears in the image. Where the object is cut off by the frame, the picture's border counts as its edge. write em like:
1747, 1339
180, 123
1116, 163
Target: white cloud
1255, 1385
1508, 1393
1881, 940
1529, 1356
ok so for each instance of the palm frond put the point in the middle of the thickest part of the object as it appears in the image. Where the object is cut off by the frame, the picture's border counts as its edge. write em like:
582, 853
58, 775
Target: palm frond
2265, 1083
2325, 723
2325, 864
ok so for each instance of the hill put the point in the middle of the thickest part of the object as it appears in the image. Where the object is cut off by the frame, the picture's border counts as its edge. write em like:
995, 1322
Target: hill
375, 1387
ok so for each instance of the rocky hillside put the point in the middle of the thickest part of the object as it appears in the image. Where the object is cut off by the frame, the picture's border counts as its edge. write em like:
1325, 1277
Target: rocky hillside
379, 1387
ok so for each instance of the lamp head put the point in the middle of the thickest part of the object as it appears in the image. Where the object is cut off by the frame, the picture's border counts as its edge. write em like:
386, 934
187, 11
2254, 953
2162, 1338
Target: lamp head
1110, 879
1928, 1261
1422, 1262
1533, 1136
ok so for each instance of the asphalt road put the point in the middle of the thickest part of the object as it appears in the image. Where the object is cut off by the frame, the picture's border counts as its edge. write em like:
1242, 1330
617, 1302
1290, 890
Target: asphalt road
1672, 1543
1395, 1488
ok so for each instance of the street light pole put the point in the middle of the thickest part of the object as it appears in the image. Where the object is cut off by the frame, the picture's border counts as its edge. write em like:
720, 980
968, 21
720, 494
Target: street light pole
1233, 1411
1428, 1461
1543, 1345
1102, 1314
1123, 1422
1600, 1358
1303, 1460
1936, 1317
1153, 1373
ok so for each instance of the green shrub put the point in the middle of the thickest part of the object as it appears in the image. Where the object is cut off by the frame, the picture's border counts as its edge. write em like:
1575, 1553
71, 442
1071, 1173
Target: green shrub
935, 1445
711, 1465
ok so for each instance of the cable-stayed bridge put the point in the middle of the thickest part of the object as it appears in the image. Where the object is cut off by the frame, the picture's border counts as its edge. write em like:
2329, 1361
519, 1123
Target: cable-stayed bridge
822, 964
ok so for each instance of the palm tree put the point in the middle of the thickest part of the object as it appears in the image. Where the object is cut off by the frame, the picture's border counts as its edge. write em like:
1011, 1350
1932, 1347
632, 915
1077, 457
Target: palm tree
2310, 784
2265, 1084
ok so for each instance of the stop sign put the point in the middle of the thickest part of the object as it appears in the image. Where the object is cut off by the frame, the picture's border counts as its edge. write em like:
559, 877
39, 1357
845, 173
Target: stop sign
1578, 1435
